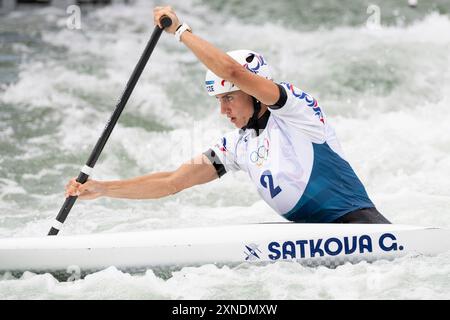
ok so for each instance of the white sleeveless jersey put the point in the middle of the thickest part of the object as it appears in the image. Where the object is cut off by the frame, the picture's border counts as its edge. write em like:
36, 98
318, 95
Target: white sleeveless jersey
296, 163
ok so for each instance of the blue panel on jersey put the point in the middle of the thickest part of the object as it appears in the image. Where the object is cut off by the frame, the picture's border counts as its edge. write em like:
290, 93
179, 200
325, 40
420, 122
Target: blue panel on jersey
332, 191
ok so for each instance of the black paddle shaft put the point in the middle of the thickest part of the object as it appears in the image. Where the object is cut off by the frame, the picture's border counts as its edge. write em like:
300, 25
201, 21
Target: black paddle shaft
85, 172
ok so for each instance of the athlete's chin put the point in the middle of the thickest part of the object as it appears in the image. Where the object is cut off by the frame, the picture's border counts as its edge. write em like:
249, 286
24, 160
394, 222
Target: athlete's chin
237, 122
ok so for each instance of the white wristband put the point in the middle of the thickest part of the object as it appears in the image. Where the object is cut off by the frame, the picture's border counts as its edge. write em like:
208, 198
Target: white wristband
184, 27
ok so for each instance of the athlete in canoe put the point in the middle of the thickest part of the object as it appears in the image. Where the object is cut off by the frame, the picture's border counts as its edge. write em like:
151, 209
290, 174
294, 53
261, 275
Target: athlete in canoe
283, 141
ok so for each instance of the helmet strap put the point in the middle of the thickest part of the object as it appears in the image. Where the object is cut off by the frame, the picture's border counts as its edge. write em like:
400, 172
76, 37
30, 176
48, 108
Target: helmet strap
253, 121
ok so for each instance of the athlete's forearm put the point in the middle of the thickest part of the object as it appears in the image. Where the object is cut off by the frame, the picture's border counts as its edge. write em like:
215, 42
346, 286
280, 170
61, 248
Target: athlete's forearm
213, 58
152, 186
227, 68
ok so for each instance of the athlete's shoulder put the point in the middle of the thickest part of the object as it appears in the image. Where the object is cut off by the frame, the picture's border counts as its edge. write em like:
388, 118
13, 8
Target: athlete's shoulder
300, 111
298, 102
299, 94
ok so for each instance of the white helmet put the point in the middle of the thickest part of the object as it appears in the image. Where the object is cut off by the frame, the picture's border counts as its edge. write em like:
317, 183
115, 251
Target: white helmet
249, 59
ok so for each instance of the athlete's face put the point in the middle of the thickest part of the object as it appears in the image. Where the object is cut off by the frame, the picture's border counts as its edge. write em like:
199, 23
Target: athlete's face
237, 106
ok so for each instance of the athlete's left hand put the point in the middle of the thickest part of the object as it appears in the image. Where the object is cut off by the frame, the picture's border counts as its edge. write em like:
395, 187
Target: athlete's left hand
158, 12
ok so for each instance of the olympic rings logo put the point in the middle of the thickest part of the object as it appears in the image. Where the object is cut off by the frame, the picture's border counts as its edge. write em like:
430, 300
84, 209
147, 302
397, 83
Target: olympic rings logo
261, 154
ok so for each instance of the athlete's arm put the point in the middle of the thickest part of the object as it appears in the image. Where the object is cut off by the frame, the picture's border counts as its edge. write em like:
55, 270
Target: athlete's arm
152, 186
222, 64
227, 68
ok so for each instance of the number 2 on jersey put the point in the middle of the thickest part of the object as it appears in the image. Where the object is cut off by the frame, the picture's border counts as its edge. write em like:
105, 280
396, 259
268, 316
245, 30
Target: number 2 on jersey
267, 175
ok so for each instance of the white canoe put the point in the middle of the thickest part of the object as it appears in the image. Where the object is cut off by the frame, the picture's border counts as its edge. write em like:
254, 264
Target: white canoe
311, 244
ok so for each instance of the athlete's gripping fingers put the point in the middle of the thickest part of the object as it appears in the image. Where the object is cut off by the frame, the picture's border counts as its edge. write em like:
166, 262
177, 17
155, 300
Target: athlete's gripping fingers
72, 188
71, 181
71, 193
156, 16
158, 12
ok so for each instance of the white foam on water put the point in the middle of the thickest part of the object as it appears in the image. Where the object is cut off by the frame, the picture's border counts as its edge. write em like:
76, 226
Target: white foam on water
386, 91
405, 278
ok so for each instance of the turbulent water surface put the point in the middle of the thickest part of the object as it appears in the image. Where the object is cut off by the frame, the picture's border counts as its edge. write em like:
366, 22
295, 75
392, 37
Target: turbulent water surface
385, 88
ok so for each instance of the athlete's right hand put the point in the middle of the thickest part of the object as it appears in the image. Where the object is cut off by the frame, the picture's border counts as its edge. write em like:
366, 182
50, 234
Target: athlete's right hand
91, 189
158, 12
